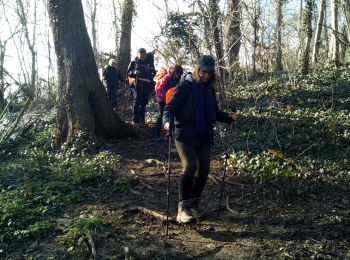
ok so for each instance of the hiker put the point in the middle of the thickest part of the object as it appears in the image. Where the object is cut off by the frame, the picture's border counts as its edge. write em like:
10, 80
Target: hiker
142, 75
171, 79
112, 77
194, 109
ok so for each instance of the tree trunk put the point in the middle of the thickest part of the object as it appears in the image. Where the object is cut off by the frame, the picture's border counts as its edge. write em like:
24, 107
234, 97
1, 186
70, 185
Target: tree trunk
92, 5
2, 81
346, 10
84, 98
233, 34
308, 28
301, 30
278, 55
125, 35
334, 39
255, 24
115, 26
318, 31
214, 17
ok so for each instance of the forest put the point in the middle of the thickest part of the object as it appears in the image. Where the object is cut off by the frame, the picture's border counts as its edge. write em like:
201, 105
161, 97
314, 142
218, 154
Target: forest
80, 180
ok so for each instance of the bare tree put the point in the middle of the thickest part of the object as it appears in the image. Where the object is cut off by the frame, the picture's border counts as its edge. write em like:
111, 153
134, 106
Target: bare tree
115, 26
233, 34
84, 98
308, 29
92, 15
255, 24
215, 23
346, 11
22, 15
278, 39
128, 10
320, 20
334, 39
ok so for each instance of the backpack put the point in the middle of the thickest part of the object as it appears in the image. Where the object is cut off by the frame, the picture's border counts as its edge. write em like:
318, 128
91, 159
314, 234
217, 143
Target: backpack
170, 92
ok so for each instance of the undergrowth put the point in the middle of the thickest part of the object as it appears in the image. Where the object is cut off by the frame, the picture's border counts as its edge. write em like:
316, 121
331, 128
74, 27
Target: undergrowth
291, 128
36, 182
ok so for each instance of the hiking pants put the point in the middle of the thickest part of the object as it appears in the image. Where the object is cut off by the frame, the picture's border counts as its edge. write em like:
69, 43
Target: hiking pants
139, 111
112, 96
195, 168
158, 126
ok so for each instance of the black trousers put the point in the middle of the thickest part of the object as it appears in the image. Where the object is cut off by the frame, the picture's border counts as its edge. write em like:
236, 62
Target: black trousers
139, 111
195, 168
158, 126
112, 96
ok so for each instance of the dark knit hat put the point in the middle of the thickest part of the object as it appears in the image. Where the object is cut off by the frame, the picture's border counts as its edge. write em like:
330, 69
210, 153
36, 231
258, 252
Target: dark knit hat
141, 50
206, 63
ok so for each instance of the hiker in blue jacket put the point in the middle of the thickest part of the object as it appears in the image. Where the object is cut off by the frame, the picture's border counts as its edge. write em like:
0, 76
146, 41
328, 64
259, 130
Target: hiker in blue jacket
194, 110
142, 74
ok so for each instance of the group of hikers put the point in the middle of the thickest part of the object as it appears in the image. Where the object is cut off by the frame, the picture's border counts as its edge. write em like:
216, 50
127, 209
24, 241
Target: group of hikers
188, 114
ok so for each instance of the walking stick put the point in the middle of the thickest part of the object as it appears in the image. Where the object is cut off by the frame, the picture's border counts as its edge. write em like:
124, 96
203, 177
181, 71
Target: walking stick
223, 182
225, 168
169, 135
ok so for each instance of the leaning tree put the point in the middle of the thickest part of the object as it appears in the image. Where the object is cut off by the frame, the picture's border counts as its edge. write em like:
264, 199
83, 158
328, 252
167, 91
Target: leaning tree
84, 100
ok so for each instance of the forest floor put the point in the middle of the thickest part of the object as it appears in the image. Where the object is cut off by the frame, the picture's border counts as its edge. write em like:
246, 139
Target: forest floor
253, 223
301, 218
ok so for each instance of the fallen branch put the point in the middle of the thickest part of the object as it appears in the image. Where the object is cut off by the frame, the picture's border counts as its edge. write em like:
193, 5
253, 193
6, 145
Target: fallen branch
151, 213
213, 178
135, 192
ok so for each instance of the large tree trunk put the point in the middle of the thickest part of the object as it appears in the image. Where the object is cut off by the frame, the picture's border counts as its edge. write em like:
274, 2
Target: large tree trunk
317, 43
125, 36
233, 34
308, 27
278, 46
85, 100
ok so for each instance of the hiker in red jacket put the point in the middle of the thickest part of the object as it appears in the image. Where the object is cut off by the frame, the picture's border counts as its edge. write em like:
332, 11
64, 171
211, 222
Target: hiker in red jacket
194, 110
171, 79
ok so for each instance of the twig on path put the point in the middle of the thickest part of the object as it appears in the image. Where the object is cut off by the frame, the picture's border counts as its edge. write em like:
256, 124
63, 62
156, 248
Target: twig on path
151, 213
210, 251
213, 178
148, 186
229, 208
139, 193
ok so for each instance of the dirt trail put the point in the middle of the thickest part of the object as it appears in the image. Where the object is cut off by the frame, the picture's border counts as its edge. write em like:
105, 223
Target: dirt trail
255, 222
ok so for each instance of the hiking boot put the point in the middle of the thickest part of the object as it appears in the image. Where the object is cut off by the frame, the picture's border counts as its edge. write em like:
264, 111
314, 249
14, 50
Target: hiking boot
195, 210
184, 214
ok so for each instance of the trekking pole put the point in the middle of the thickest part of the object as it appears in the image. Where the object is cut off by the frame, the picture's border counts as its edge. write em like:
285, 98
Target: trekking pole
169, 135
225, 168
223, 182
